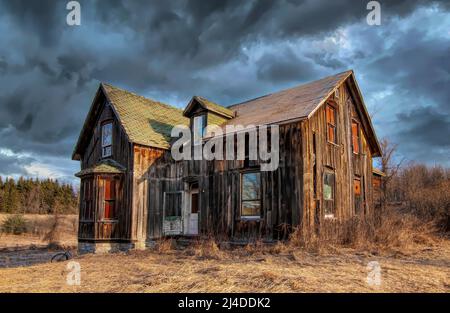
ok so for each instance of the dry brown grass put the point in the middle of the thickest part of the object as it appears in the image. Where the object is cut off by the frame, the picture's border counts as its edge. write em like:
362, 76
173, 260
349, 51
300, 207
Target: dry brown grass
205, 249
411, 257
42, 230
395, 232
271, 269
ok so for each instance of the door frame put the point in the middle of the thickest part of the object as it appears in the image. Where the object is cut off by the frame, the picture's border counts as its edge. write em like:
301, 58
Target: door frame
188, 209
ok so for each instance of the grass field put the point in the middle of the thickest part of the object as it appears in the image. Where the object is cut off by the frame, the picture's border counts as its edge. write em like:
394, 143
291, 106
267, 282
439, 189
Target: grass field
203, 267
38, 227
240, 270
35, 245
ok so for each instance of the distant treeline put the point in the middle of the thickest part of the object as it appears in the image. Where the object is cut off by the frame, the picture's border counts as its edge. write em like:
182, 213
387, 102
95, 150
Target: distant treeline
37, 196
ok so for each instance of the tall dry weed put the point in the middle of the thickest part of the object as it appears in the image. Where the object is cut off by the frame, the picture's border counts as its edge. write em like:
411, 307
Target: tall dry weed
206, 249
394, 232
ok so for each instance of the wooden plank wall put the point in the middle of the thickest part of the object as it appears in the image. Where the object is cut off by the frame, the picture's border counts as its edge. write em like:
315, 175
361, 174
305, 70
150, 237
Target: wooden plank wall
338, 158
287, 193
123, 154
219, 185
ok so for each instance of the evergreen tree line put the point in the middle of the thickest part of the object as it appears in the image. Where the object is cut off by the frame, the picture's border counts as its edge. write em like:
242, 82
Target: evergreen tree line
36, 196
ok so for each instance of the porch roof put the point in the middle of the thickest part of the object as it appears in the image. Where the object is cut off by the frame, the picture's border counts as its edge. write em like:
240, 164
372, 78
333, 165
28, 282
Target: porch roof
107, 166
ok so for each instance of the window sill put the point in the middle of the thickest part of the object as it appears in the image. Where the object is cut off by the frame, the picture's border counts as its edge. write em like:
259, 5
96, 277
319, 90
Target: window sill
329, 217
250, 218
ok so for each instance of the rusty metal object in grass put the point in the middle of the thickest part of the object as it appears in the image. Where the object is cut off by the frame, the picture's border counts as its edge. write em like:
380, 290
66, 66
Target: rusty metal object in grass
62, 256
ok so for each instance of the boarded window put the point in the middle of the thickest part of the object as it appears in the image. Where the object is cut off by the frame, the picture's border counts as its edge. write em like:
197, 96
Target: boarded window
172, 205
87, 192
331, 124
251, 195
357, 186
107, 140
357, 191
172, 221
329, 194
109, 209
355, 137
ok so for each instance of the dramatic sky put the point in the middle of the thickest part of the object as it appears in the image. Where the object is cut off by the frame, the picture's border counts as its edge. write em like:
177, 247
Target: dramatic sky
227, 51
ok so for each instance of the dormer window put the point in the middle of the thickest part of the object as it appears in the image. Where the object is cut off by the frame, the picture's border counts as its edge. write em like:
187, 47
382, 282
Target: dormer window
107, 139
201, 112
198, 128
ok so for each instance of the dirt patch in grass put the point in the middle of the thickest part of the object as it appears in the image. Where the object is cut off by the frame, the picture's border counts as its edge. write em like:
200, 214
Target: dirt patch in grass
280, 270
35, 245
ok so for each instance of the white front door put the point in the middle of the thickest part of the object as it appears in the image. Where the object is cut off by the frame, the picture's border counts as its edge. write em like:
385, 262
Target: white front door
192, 222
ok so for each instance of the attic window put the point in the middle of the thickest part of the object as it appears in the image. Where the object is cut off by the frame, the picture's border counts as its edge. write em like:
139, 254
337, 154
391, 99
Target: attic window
107, 140
331, 124
355, 137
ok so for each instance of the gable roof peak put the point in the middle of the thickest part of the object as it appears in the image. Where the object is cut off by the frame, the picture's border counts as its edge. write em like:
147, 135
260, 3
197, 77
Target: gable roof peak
207, 105
144, 121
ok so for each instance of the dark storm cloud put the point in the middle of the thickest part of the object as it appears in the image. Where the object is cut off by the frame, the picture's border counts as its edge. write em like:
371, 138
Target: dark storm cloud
419, 67
425, 134
3, 65
426, 125
174, 49
12, 165
284, 67
40, 18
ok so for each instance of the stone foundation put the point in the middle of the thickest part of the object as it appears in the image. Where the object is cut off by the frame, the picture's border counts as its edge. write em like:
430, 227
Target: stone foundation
103, 247
111, 247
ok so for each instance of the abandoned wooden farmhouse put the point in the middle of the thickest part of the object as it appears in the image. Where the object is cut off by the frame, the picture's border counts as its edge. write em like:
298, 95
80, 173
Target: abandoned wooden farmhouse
132, 190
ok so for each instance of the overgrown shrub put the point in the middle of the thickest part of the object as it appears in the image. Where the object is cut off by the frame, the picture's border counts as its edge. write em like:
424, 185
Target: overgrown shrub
422, 191
396, 231
206, 249
14, 224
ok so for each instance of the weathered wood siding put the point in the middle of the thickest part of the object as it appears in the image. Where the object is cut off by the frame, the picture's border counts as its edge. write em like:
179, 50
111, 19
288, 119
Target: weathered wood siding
292, 195
338, 158
219, 186
123, 154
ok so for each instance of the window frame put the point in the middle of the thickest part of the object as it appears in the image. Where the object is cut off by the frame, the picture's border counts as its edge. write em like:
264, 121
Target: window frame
110, 200
87, 190
358, 136
357, 179
333, 106
166, 202
361, 195
333, 193
103, 125
241, 201
204, 116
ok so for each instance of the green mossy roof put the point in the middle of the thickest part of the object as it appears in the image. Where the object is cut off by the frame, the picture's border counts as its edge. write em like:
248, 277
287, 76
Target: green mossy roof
107, 166
145, 121
214, 107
